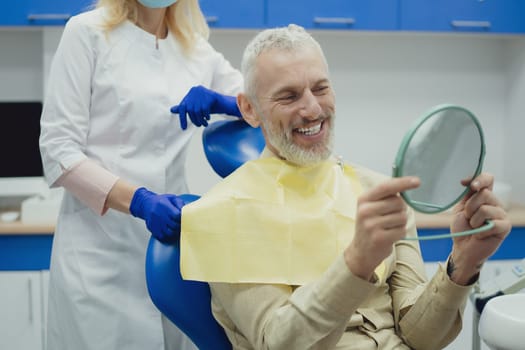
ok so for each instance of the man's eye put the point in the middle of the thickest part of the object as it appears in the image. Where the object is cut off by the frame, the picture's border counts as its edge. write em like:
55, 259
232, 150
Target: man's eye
320, 90
291, 97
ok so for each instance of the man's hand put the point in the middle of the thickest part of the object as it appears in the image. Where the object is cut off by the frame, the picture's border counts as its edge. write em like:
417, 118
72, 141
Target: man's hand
470, 252
381, 221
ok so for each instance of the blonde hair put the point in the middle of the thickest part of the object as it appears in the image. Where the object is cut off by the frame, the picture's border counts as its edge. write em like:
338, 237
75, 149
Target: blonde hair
184, 19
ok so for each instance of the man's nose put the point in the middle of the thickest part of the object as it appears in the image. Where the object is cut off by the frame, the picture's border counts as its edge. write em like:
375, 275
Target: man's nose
310, 107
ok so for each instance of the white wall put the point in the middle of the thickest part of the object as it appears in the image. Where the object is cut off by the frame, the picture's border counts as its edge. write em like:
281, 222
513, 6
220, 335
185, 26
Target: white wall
20, 65
514, 129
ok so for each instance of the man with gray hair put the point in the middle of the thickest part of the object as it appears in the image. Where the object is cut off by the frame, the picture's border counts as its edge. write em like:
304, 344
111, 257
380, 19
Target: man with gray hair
303, 251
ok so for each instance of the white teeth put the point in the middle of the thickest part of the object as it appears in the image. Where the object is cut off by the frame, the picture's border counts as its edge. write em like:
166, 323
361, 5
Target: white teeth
310, 131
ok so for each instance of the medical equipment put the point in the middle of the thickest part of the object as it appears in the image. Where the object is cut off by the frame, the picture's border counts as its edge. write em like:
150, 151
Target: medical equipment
21, 175
509, 281
502, 322
19, 133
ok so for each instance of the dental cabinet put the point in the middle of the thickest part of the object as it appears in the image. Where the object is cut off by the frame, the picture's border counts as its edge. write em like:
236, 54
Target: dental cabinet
41, 13
335, 14
25, 251
483, 16
234, 13
22, 301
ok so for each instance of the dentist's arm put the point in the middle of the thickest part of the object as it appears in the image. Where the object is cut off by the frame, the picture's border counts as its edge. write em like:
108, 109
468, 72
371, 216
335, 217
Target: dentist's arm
100, 190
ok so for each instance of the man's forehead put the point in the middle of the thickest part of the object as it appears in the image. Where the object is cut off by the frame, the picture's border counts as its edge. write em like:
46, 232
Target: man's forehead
299, 60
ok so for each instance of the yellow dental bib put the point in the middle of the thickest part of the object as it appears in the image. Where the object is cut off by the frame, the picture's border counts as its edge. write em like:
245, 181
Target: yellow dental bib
270, 222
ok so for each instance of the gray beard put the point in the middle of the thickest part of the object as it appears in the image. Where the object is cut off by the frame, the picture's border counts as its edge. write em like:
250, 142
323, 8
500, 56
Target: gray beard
295, 154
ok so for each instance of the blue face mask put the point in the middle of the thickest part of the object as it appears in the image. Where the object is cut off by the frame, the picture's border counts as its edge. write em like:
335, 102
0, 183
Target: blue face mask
157, 3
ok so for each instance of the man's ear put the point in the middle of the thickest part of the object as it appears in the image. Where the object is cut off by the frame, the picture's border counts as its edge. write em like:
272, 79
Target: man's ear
248, 110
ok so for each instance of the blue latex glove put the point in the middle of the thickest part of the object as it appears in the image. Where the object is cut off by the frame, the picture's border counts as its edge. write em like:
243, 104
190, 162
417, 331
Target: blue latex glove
200, 102
160, 211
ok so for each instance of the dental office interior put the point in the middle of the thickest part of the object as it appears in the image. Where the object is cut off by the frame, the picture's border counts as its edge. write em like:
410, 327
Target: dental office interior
390, 61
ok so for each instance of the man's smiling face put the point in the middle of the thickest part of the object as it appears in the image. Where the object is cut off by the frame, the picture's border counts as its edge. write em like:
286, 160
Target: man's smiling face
295, 104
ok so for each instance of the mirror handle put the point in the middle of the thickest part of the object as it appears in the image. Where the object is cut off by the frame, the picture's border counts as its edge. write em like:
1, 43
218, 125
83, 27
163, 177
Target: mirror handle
488, 225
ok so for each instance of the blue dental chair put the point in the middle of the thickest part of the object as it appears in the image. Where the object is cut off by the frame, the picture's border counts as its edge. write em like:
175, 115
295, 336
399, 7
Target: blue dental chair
227, 145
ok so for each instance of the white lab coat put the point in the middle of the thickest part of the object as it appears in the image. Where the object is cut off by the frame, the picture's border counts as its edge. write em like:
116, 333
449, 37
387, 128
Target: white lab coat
108, 99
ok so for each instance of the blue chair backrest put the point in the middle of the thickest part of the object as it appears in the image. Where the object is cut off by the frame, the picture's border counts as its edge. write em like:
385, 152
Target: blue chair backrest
227, 145
230, 143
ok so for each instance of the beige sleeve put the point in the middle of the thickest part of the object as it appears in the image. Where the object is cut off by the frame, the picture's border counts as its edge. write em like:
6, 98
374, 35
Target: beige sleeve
313, 316
90, 183
436, 318
428, 315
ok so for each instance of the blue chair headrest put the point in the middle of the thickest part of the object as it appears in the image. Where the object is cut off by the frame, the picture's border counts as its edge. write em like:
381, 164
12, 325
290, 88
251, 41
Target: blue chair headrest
230, 143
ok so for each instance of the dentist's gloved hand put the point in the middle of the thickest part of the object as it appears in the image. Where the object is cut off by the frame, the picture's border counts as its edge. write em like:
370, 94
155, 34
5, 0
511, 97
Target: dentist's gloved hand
200, 102
160, 211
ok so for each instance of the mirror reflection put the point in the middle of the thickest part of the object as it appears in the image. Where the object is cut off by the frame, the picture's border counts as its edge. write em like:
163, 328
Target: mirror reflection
443, 150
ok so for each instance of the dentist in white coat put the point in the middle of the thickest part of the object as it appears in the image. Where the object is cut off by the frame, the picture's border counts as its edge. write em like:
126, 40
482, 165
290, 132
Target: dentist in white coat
108, 137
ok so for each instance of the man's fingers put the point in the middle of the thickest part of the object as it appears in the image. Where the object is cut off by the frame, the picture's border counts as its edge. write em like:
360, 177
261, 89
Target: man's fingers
392, 187
393, 221
477, 200
484, 213
483, 180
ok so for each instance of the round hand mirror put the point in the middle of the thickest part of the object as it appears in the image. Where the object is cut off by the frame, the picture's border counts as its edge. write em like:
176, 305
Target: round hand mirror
445, 148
